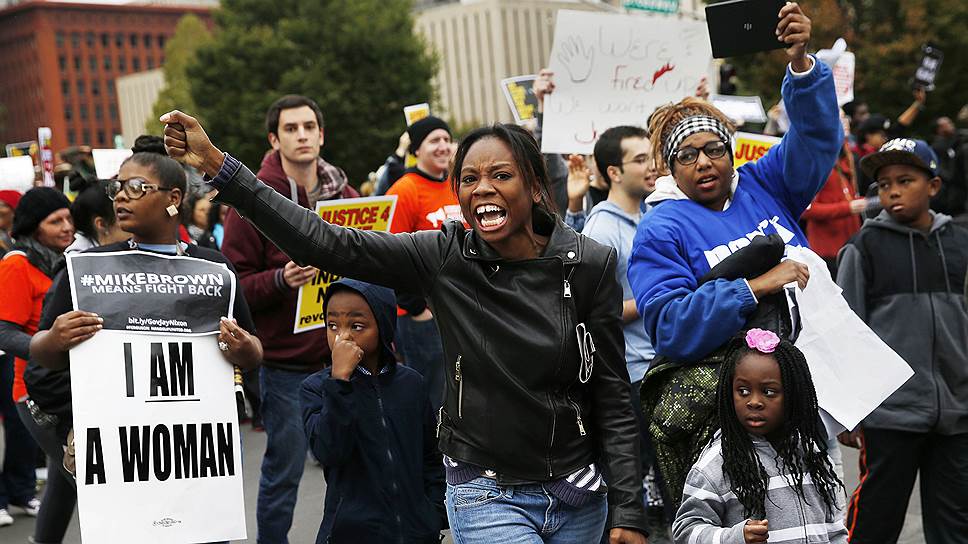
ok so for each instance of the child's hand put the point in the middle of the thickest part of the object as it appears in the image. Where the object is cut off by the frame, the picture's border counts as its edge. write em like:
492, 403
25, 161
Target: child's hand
756, 530
346, 355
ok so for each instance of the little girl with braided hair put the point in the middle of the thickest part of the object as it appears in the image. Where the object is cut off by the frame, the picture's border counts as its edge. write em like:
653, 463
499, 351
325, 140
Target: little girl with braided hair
766, 473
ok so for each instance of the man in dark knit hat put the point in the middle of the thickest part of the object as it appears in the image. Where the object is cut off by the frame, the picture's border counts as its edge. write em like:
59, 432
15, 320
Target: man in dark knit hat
425, 200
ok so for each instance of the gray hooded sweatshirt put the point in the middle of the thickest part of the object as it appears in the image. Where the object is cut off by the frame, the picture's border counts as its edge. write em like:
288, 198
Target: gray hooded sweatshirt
906, 285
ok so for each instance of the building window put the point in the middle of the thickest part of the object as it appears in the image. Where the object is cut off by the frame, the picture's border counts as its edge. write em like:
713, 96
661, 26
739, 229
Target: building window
83, 109
136, 64
89, 38
100, 137
80, 87
114, 111
71, 138
65, 87
68, 113
147, 40
77, 63
60, 38
92, 63
119, 40
75, 39
161, 41
107, 62
105, 39
62, 62
96, 87
151, 63
98, 112
133, 40
86, 135
111, 87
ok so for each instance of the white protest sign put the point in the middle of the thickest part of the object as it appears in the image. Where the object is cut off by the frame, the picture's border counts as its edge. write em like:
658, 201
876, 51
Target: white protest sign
843, 71
156, 431
613, 69
841, 63
156, 439
16, 173
853, 370
107, 162
741, 109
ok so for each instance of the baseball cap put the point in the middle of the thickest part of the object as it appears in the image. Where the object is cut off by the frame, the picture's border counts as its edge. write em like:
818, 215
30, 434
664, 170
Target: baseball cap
901, 151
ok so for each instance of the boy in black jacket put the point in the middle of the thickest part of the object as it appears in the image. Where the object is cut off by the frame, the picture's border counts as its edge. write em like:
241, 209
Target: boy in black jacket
370, 424
902, 274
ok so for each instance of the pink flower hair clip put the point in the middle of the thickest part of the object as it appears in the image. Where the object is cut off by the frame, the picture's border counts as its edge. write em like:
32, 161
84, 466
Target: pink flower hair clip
762, 341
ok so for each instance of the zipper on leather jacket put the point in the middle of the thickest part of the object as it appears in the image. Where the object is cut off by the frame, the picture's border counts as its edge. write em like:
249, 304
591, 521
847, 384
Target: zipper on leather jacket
460, 388
440, 419
567, 289
581, 426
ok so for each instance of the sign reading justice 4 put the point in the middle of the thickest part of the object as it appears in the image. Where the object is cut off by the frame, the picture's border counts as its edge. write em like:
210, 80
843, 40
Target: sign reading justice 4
369, 213
156, 436
749, 147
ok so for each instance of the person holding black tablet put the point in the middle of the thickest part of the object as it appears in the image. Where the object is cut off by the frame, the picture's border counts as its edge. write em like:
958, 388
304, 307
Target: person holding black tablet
706, 210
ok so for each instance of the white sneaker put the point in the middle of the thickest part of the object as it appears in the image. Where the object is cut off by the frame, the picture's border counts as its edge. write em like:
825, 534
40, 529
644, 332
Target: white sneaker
31, 508
5, 518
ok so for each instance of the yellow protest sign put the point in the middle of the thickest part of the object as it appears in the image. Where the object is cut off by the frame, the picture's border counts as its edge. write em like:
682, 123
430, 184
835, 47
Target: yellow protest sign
370, 213
749, 147
413, 114
519, 92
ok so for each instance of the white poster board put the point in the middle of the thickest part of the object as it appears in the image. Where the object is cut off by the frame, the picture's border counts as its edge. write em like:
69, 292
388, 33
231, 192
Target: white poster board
107, 162
843, 71
156, 430
16, 173
156, 437
740, 109
853, 370
613, 69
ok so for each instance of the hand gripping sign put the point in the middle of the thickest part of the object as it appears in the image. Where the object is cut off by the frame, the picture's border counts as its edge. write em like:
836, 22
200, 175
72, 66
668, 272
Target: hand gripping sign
156, 431
369, 213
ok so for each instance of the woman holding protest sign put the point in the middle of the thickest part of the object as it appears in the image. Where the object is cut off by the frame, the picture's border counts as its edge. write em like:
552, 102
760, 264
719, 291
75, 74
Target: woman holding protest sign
147, 195
530, 317
706, 260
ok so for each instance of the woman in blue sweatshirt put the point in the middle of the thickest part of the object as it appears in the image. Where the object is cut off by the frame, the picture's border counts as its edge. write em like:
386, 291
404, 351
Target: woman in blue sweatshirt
705, 210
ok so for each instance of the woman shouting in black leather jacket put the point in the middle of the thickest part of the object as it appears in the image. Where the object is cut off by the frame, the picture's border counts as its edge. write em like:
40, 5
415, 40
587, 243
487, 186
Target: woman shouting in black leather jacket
537, 417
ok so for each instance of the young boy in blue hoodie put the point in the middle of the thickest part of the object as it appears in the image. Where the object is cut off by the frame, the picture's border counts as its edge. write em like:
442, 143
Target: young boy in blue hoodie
902, 274
369, 423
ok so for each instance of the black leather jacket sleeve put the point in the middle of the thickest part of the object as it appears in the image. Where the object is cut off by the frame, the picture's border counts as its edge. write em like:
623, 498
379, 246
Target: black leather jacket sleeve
407, 262
617, 426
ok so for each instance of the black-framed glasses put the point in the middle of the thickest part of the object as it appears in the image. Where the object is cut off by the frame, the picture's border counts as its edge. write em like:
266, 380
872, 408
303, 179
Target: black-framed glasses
134, 188
689, 155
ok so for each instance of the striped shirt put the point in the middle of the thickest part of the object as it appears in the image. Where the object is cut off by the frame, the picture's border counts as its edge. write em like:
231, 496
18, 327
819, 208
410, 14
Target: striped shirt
575, 489
711, 513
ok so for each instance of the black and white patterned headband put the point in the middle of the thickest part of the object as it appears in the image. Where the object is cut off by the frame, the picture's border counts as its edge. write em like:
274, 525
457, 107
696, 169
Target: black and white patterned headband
692, 125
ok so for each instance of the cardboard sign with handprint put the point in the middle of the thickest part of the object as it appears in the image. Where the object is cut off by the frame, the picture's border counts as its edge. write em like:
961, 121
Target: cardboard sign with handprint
613, 69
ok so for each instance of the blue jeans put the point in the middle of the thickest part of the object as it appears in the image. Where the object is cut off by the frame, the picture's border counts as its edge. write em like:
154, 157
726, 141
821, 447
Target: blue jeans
418, 342
285, 457
17, 478
481, 511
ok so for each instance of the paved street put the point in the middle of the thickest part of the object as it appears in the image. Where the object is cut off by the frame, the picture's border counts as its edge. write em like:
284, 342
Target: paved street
309, 508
